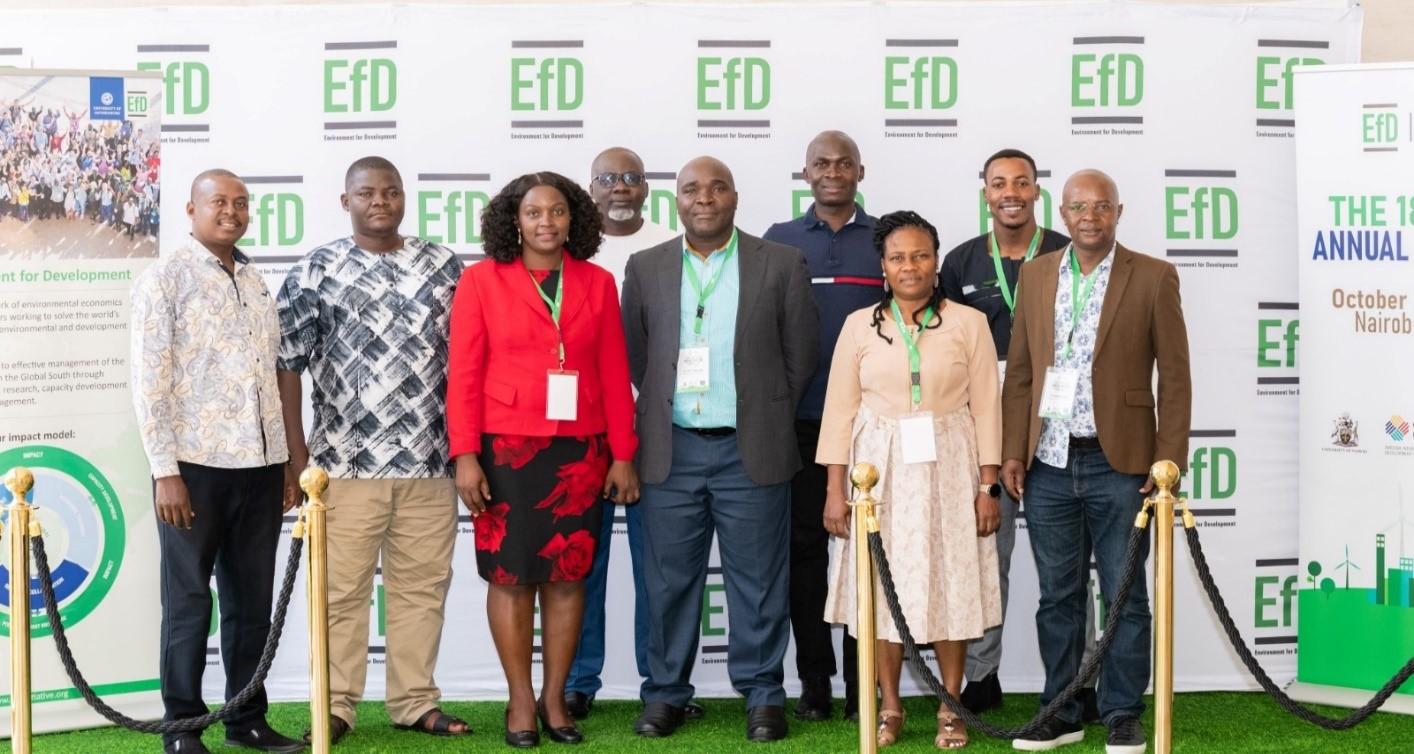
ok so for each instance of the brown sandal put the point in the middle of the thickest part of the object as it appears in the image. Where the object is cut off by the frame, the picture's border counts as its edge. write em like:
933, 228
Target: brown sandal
887, 735
948, 737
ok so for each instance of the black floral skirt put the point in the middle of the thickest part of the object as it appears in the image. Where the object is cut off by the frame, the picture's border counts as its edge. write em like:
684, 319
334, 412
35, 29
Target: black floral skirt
542, 523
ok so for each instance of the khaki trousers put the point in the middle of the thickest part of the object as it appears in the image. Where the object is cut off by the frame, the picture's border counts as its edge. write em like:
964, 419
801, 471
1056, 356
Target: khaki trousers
413, 524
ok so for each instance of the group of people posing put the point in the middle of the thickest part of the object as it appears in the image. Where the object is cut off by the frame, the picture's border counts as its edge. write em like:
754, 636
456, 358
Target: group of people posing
716, 384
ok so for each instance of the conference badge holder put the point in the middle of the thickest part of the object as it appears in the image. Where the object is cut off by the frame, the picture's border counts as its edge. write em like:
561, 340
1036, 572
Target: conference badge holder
1058, 393
917, 439
693, 373
562, 395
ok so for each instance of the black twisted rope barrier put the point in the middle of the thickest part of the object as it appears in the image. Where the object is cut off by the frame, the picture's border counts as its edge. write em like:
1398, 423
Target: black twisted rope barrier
1240, 646
1132, 566
66, 655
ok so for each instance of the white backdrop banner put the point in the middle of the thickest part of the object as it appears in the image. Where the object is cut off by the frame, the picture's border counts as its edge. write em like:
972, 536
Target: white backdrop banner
79, 157
1354, 158
1188, 107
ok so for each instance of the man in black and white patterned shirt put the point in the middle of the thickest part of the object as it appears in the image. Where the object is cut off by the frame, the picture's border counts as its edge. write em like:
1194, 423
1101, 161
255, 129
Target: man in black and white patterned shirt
368, 317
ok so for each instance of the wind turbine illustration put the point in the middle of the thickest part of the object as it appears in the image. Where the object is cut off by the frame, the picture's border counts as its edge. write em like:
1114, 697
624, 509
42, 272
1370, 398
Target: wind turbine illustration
1346, 565
1401, 522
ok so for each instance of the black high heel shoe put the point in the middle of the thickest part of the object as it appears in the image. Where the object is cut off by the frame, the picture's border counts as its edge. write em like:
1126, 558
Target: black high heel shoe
520, 739
566, 735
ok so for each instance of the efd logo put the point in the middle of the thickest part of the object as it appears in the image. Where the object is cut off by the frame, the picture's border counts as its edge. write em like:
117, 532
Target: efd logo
713, 640
546, 83
921, 83
1276, 60
733, 83
359, 85
137, 104
1112, 81
186, 84
661, 206
1201, 212
1379, 127
450, 213
1212, 470
1278, 333
276, 217
1273, 596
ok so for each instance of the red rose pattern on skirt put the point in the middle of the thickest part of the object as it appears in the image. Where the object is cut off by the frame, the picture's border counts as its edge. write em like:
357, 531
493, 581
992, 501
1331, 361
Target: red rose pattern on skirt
543, 520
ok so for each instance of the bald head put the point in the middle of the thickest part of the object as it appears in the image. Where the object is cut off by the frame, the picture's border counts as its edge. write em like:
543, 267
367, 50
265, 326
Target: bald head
832, 141
614, 159
1091, 177
705, 167
211, 175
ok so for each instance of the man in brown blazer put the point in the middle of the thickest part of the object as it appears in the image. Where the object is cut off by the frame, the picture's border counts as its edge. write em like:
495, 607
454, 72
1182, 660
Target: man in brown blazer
1081, 427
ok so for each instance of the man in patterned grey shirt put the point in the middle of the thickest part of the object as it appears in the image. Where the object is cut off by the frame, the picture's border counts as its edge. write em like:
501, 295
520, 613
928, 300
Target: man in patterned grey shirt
204, 340
368, 317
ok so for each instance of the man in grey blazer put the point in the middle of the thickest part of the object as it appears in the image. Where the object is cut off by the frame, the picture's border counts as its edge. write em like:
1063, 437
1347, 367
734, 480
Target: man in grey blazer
723, 338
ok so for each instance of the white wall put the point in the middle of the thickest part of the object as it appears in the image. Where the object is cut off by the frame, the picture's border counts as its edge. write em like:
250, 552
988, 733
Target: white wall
1389, 24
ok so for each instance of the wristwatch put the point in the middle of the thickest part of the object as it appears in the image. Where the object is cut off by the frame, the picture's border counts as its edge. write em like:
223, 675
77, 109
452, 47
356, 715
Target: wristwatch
993, 489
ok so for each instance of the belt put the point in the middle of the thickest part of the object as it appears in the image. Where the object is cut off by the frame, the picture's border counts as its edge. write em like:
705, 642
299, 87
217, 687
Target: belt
1084, 443
711, 431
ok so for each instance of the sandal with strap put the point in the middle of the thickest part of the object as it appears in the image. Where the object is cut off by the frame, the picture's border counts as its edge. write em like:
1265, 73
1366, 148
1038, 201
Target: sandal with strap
435, 722
887, 735
949, 737
338, 728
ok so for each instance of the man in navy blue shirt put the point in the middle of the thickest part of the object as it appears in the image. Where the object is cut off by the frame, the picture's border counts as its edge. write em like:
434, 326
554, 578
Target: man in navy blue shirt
836, 236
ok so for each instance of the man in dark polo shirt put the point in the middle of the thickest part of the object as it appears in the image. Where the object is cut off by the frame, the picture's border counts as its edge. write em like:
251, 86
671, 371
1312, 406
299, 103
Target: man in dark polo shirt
837, 238
982, 273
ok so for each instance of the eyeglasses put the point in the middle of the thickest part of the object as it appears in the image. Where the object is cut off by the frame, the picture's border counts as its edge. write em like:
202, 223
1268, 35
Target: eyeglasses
1079, 208
607, 180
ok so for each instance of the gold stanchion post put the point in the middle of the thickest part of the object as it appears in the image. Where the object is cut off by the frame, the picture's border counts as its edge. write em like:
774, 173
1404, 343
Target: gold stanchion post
314, 481
19, 481
1165, 475
864, 477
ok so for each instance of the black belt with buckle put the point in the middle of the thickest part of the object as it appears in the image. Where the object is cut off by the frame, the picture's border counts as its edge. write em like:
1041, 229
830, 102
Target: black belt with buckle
1084, 443
711, 431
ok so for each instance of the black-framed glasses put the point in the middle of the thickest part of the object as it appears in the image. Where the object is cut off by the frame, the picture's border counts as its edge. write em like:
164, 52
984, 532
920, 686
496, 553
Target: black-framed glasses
607, 180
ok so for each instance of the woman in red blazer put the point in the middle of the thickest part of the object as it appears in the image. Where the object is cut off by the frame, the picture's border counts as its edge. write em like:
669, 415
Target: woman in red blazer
540, 417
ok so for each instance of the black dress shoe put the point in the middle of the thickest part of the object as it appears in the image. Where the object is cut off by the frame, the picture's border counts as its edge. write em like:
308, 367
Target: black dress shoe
1089, 707
693, 711
565, 735
187, 743
262, 738
816, 699
578, 704
766, 722
982, 694
658, 719
521, 739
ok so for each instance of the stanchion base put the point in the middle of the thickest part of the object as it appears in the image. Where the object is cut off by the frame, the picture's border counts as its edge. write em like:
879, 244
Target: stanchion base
1342, 696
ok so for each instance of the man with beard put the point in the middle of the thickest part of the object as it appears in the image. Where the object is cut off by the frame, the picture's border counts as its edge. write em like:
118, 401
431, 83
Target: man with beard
982, 273
837, 237
723, 337
368, 316
619, 187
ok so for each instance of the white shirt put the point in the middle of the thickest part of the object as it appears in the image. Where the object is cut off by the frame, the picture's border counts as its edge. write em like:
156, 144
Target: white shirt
615, 250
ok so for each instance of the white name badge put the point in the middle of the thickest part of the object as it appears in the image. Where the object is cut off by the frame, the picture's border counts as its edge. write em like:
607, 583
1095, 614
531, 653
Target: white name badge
562, 395
916, 436
693, 374
1058, 394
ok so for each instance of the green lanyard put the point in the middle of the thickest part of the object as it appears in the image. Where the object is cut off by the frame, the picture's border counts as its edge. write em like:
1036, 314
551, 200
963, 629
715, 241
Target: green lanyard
1077, 301
555, 306
1008, 295
704, 293
915, 375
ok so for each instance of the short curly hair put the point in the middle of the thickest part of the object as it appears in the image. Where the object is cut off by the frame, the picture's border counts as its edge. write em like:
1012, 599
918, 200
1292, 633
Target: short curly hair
500, 234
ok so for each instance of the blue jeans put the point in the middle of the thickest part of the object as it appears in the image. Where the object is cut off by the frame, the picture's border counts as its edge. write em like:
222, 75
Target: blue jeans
1064, 507
589, 658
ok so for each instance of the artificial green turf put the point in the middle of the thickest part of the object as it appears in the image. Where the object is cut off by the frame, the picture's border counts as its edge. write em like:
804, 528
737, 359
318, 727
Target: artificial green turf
1206, 723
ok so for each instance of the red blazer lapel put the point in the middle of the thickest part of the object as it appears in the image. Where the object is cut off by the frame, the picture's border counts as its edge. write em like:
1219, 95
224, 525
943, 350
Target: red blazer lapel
578, 288
518, 281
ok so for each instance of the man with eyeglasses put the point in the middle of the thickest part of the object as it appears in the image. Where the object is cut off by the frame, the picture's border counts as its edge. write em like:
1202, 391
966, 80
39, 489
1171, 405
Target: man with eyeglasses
981, 273
837, 237
1081, 426
619, 187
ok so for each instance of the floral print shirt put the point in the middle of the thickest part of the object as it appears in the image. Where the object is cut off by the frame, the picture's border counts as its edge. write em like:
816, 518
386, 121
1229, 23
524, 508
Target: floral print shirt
1053, 449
